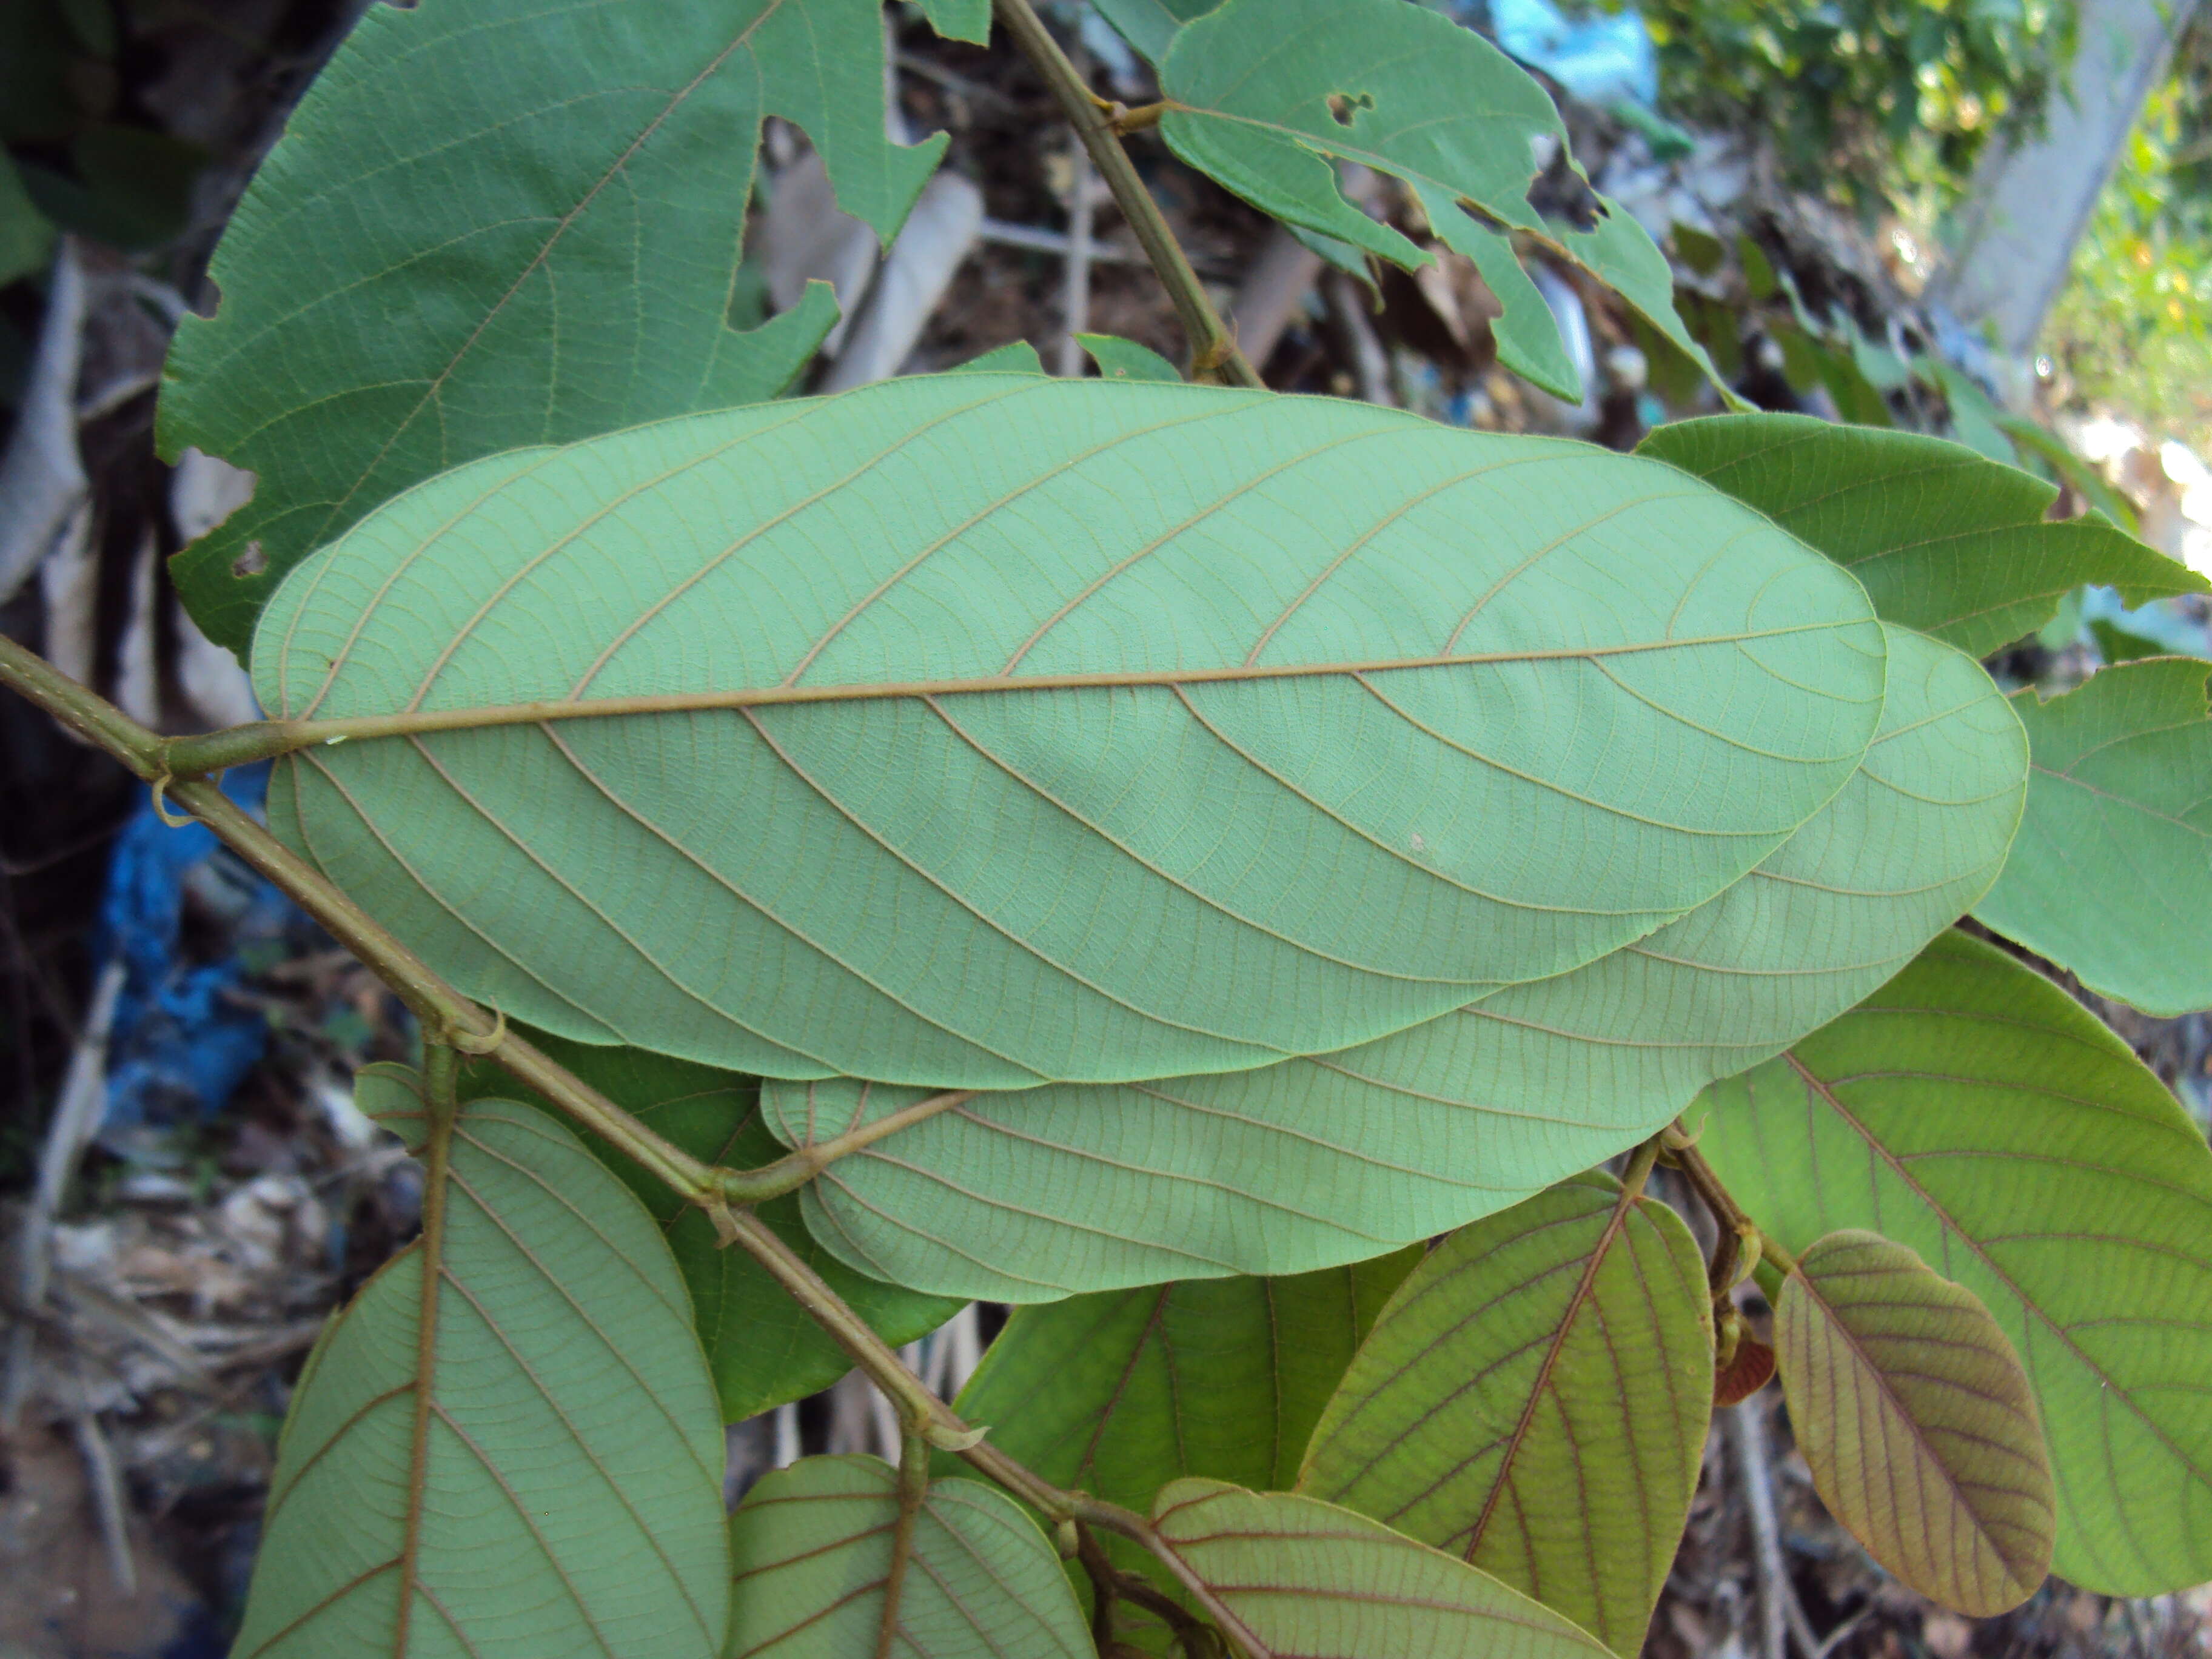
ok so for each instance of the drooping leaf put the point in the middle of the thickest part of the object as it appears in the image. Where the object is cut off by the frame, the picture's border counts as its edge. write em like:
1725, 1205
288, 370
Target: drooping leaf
959, 20
489, 225
1125, 360
1946, 541
1288, 1167
952, 731
1310, 1579
810, 1548
1123, 1392
1973, 1112
762, 1346
1534, 1400
1265, 95
1918, 1425
541, 1473
2111, 874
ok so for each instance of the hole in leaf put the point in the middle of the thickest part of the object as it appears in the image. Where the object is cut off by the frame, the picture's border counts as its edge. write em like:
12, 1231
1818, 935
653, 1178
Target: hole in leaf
1344, 107
1561, 194
250, 562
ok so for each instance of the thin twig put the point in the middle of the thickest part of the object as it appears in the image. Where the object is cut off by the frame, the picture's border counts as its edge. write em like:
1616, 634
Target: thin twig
1213, 353
106, 1482
1075, 273
1780, 1613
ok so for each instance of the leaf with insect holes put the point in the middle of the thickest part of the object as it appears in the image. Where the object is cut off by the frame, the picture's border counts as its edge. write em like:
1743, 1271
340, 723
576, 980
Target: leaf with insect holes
1025, 1195
492, 225
1267, 95
2112, 871
810, 1551
951, 731
1946, 540
762, 1346
506, 1443
1975, 1113
1912, 1413
1534, 1400
1303, 1579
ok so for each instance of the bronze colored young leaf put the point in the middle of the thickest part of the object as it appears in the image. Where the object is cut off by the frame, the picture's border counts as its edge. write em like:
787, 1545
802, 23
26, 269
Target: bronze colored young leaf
506, 1444
1534, 1400
1973, 1110
1302, 1579
810, 1551
1922, 1433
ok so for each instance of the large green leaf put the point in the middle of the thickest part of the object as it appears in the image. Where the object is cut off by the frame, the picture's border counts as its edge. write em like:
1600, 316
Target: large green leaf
1123, 1392
537, 1471
2112, 875
1265, 96
1295, 1166
1917, 1421
491, 224
1946, 540
762, 1346
812, 1550
974, 730
1974, 1112
1309, 1580
1149, 25
1534, 1400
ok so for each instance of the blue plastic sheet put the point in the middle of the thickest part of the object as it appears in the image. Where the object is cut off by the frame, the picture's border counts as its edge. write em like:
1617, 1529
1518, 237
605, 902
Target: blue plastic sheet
1601, 58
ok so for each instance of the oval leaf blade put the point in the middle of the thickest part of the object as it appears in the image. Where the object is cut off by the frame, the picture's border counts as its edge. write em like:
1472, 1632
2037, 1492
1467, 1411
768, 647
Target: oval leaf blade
1022, 1196
548, 1478
2118, 788
1308, 1579
1946, 541
1534, 1401
1917, 1422
811, 1549
1974, 1112
980, 692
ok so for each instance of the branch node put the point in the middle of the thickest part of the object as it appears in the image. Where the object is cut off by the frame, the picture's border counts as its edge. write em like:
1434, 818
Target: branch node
475, 1043
174, 820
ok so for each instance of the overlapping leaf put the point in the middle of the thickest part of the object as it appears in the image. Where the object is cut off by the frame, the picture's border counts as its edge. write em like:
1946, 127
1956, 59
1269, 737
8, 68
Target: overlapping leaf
1292, 1167
1946, 540
1972, 1111
543, 1473
1534, 1400
1265, 96
489, 225
2112, 875
1917, 1422
1305, 1579
760, 1346
957, 731
811, 1547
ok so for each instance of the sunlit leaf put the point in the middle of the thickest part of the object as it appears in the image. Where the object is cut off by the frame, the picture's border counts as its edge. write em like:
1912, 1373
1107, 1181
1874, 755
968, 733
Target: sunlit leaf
543, 1474
1946, 541
1912, 1413
2112, 875
1534, 1400
762, 1346
998, 753
1265, 96
1975, 1113
1310, 1580
489, 225
810, 1548
1024, 1195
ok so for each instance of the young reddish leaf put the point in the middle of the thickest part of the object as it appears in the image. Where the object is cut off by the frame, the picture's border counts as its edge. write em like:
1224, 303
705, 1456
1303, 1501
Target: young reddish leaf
1750, 1368
1912, 1410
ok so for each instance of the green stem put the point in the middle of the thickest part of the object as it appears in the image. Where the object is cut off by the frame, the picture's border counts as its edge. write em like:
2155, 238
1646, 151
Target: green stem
1728, 1216
1213, 352
913, 1488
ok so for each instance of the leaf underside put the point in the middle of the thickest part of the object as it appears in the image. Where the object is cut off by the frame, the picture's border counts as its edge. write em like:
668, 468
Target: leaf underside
810, 1551
2112, 875
1027, 1195
1973, 1112
1919, 1427
490, 225
563, 1494
1488, 708
1534, 1400
1312, 1580
1946, 541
